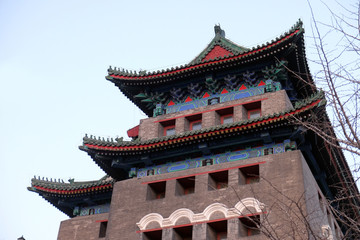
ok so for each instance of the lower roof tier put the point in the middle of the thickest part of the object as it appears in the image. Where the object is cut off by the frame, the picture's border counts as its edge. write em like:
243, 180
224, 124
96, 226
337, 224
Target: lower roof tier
68, 196
120, 147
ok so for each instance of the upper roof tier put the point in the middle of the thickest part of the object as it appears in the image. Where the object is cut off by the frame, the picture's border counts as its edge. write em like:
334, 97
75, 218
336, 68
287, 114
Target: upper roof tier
219, 59
218, 48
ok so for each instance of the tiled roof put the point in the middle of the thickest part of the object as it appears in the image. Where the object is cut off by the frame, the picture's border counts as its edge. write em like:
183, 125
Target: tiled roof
219, 47
60, 188
91, 143
199, 63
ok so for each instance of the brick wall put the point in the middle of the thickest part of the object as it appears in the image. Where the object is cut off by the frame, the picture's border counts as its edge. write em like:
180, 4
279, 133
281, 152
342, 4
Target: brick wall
82, 227
284, 172
283, 178
272, 103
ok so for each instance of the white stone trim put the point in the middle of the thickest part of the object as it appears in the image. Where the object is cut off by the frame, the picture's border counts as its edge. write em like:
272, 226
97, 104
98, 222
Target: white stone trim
326, 232
152, 217
244, 204
247, 203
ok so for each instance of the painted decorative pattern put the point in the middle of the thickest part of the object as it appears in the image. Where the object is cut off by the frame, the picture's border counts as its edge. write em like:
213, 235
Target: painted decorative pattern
196, 103
84, 211
223, 97
216, 159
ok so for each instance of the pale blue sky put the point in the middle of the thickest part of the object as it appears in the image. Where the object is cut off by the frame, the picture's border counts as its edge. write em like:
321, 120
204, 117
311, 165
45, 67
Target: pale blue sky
53, 61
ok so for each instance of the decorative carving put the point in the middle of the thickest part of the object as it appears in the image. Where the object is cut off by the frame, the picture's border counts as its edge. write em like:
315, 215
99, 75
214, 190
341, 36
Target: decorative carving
194, 89
231, 82
277, 72
151, 98
177, 94
212, 84
250, 77
159, 110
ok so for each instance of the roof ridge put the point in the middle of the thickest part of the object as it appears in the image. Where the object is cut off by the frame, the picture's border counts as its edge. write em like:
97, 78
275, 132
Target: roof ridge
71, 182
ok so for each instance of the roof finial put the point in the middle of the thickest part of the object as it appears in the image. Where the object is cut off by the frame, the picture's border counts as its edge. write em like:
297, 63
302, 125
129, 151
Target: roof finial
219, 31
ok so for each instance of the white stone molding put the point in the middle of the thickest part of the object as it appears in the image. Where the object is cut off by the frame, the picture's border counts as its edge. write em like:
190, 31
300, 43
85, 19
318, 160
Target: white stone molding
238, 210
176, 215
212, 208
152, 217
327, 232
249, 203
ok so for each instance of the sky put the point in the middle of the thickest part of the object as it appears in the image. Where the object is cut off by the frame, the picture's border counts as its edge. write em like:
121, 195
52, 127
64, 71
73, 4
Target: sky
54, 57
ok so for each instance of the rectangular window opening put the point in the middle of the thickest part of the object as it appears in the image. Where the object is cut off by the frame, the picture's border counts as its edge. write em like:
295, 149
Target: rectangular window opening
227, 119
153, 235
256, 113
248, 175
170, 130
185, 186
253, 110
195, 125
249, 226
217, 230
183, 233
225, 116
156, 190
168, 127
193, 122
218, 180
103, 227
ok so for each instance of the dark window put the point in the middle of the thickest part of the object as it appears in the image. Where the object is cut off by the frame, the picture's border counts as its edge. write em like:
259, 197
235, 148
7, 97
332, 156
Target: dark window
185, 186
183, 233
152, 235
218, 180
156, 190
248, 175
207, 162
217, 230
268, 151
103, 227
249, 226
91, 211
